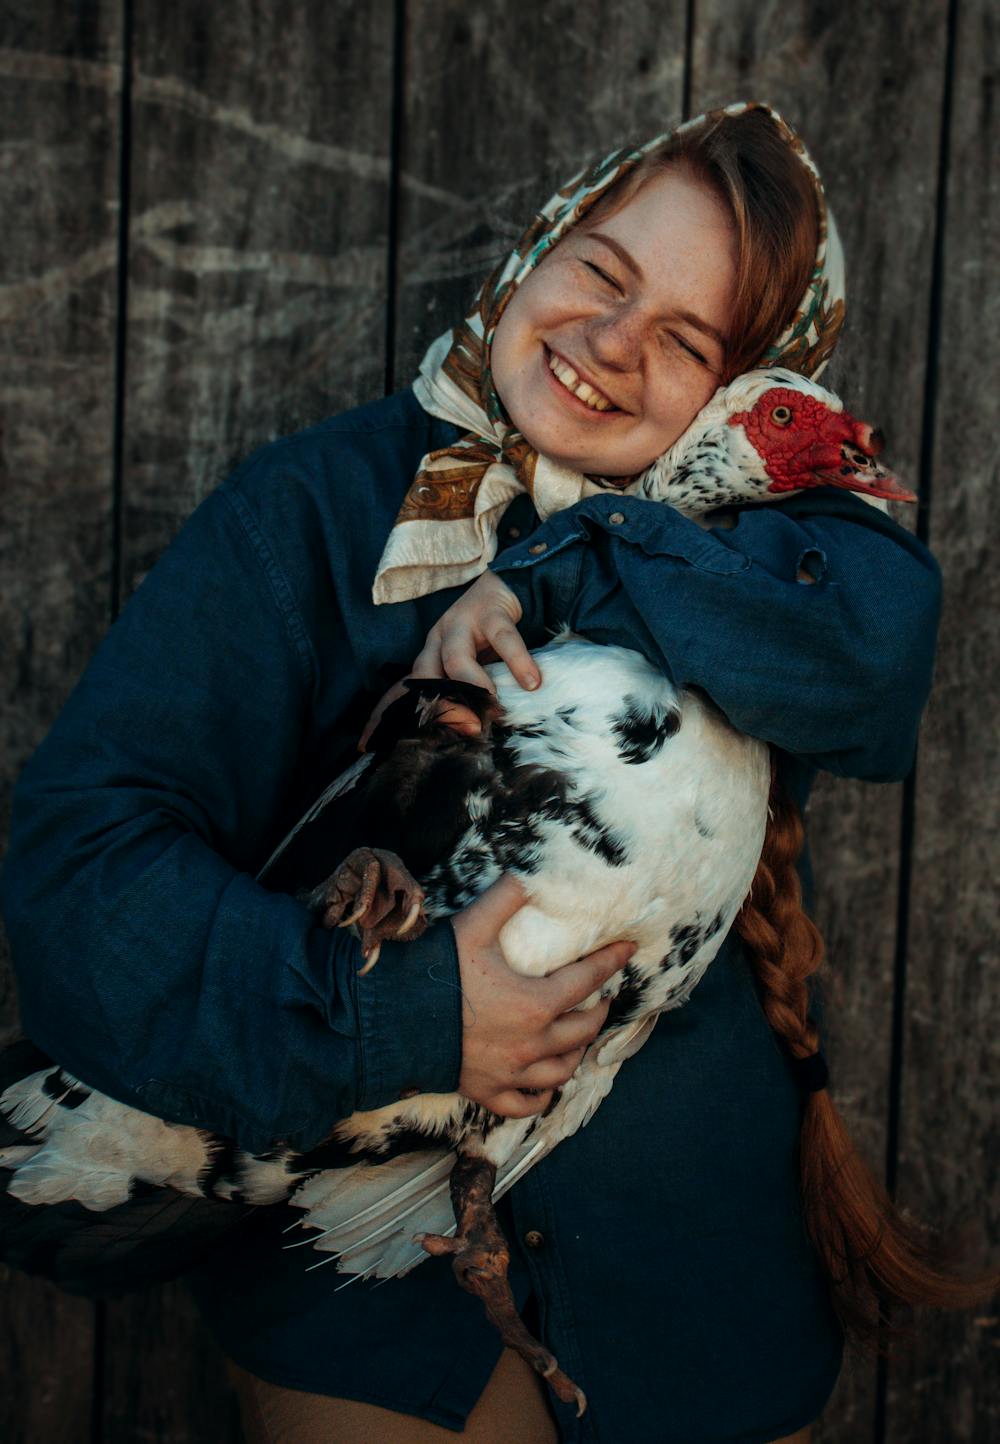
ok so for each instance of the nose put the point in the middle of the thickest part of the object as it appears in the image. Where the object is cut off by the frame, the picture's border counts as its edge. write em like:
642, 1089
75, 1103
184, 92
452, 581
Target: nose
615, 340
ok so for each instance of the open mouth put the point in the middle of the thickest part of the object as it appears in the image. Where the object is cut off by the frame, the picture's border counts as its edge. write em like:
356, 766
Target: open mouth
576, 393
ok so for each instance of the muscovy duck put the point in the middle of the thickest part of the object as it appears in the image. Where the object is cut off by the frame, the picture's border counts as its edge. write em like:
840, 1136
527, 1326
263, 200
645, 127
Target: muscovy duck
626, 809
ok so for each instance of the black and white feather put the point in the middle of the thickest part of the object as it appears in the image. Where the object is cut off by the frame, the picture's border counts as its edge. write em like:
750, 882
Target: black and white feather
626, 809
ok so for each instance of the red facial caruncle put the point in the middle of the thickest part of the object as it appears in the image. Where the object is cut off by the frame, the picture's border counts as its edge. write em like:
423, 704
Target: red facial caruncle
803, 443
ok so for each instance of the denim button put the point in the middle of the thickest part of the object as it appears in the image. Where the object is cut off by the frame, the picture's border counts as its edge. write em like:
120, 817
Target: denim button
616, 518
513, 532
534, 1239
538, 547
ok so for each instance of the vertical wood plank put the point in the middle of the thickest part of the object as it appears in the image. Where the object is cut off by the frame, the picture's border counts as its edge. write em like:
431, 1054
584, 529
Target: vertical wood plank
47, 1374
164, 1374
59, 138
59, 86
256, 305
871, 123
258, 279
257, 272
944, 1390
503, 102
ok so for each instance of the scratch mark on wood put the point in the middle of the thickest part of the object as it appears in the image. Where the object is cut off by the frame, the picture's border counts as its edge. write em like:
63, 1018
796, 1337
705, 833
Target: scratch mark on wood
356, 266
34, 65
167, 90
19, 298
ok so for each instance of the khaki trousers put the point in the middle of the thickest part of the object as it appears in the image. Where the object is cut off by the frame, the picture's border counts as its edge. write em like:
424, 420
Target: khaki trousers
513, 1409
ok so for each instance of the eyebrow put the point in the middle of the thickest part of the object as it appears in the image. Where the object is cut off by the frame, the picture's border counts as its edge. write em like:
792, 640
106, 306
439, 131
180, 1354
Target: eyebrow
632, 265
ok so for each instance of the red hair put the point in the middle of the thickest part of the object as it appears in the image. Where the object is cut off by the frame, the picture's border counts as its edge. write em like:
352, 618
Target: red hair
772, 199
873, 1256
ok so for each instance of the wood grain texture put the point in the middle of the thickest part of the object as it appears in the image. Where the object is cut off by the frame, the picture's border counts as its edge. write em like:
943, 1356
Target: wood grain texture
256, 305
258, 240
59, 89
872, 126
58, 191
260, 266
47, 1358
164, 1376
504, 101
946, 1389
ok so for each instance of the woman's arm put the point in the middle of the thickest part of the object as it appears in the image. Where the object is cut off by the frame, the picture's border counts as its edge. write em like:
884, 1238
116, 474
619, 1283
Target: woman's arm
149, 961
837, 671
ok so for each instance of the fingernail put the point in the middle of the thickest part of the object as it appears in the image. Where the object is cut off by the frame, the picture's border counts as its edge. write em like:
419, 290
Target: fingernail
531, 683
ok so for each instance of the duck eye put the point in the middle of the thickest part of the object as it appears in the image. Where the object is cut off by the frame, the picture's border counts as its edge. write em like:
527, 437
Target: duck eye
781, 415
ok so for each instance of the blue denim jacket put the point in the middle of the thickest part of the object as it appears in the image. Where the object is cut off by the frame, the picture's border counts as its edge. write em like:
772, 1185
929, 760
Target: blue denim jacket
153, 966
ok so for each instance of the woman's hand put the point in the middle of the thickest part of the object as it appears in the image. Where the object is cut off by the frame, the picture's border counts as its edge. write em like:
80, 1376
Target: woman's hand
483, 619
482, 623
522, 1033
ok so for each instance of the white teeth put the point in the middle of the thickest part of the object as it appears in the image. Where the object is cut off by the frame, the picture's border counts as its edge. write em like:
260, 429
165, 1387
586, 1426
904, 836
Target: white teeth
563, 370
579, 388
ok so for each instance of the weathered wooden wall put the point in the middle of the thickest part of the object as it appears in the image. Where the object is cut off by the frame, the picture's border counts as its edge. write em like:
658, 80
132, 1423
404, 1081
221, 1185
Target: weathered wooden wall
224, 222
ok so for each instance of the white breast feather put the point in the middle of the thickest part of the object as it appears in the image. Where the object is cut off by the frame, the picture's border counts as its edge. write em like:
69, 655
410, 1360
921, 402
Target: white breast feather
692, 855
691, 819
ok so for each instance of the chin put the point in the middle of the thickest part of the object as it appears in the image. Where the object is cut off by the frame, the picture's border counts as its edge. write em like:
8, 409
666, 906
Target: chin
588, 465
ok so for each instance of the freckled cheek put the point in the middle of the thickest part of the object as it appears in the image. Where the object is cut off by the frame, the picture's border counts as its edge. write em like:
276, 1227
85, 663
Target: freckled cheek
516, 340
672, 412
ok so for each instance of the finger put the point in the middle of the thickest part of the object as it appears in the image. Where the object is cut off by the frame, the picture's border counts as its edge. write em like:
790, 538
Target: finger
509, 646
511, 1103
552, 1072
575, 1029
458, 659
427, 662
576, 981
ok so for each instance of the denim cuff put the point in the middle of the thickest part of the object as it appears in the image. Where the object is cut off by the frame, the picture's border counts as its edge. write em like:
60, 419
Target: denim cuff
410, 1019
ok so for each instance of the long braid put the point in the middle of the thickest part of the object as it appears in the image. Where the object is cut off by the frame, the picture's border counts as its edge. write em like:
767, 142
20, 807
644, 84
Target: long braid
871, 1254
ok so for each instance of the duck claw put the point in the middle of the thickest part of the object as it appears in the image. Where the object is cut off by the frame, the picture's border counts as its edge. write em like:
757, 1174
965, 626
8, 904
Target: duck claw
372, 890
480, 1259
371, 958
411, 919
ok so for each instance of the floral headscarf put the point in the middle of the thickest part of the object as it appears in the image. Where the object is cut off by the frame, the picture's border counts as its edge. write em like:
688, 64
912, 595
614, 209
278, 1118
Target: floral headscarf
446, 531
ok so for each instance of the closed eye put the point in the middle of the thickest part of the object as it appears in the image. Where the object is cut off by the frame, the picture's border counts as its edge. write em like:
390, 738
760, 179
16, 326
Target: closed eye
686, 346
680, 341
603, 274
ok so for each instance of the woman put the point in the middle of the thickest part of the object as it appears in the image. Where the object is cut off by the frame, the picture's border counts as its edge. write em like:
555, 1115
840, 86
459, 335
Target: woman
661, 1250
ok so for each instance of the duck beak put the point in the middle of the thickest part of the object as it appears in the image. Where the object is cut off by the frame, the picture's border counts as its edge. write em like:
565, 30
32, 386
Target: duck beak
860, 471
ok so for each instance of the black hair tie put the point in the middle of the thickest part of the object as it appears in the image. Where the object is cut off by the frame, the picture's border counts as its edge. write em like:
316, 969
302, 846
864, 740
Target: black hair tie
811, 1073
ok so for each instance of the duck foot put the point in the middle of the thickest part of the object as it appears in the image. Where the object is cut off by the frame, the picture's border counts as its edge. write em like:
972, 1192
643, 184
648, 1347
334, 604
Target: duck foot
374, 890
481, 1257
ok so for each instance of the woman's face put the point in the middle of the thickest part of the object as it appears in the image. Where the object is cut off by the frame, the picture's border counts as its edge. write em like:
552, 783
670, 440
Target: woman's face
638, 307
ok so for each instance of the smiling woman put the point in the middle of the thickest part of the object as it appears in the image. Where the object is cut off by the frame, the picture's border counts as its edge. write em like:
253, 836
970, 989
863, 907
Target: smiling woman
770, 199
653, 277
662, 1249
674, 282
637, 313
